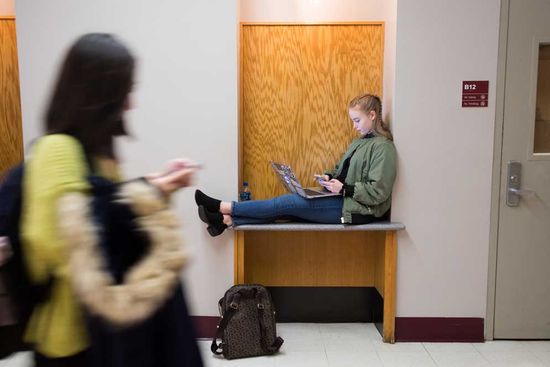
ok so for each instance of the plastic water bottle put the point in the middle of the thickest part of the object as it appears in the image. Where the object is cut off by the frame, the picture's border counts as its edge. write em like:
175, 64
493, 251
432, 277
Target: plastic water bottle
245, 193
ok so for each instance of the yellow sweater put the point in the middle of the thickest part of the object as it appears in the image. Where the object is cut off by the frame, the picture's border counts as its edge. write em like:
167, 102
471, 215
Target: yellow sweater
57, 166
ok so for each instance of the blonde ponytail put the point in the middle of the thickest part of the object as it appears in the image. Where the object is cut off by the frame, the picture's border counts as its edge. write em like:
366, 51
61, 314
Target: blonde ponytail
370, 102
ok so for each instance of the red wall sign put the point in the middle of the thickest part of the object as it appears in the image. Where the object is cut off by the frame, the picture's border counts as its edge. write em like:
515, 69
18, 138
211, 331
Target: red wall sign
475, 93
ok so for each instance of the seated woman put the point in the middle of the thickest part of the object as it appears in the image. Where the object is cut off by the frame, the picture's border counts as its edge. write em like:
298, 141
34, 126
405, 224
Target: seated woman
364, 177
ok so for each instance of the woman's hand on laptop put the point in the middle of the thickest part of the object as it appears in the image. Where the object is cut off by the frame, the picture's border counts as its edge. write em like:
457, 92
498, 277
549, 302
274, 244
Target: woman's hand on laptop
333, 185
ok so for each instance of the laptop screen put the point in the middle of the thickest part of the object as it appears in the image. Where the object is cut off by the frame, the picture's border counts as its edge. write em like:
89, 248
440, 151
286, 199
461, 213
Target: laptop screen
287, 176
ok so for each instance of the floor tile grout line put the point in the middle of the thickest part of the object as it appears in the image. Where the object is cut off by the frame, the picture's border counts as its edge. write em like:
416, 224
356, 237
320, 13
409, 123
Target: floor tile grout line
379, 358
483, 356
431, 357
538, 359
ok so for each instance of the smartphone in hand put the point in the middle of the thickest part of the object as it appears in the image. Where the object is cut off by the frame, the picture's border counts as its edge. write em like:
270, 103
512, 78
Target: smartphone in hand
182, 165
320, 178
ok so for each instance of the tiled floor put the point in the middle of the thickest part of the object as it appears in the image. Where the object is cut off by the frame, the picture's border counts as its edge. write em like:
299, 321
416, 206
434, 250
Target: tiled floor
354, 345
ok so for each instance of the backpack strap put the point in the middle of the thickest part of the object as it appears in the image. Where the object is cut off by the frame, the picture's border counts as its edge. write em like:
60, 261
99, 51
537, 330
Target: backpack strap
263, 328
226, 317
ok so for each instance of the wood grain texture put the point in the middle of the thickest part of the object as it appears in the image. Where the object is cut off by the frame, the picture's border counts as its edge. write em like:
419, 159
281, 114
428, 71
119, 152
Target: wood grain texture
311, 258
239, 271
11, 137
379, 269
296, 82
390, 265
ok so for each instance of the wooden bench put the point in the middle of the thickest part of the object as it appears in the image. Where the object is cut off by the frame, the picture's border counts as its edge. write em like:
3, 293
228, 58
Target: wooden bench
384, 257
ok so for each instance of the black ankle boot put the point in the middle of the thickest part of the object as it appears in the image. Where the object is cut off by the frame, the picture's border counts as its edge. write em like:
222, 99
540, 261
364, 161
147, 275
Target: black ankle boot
211, 204
216, 226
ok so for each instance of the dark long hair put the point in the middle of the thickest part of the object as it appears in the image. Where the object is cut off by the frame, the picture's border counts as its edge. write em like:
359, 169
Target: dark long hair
92, 89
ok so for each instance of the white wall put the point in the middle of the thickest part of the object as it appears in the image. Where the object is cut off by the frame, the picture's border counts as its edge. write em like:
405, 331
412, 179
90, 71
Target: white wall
309, 11
443, 190
187, 105
7, 8
445, 152
186, 101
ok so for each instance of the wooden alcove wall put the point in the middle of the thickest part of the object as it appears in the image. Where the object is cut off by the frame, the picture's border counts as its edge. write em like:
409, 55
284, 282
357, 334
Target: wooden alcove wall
11, 138
295, 84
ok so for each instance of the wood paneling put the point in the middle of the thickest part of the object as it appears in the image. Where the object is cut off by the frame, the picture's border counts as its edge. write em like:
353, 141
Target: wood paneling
11, 139
311, 258
238, 276
390, 276
379, 275
296, 82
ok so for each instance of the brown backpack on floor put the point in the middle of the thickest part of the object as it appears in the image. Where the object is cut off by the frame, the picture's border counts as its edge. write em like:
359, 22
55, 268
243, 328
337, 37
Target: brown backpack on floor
247, 327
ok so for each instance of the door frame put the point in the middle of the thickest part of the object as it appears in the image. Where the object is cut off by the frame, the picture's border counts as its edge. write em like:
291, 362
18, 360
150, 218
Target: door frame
496, 170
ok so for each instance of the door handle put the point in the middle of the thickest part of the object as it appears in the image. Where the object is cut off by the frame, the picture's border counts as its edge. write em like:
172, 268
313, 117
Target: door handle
523, 192
513, 185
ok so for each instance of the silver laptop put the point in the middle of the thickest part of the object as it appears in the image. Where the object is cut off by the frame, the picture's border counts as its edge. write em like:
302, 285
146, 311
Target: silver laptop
290, 181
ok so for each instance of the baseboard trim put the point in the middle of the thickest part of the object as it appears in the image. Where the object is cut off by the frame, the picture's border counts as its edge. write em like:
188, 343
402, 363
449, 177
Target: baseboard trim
439, 329
407, 329
205, 326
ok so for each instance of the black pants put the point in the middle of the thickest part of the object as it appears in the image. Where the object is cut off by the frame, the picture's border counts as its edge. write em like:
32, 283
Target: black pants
165, 339
78, 360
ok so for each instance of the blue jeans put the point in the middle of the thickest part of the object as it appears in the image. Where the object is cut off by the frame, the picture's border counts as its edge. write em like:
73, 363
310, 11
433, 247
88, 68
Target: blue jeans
289, 206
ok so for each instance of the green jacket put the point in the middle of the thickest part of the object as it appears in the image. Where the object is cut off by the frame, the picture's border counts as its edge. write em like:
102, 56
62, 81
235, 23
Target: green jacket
372, 172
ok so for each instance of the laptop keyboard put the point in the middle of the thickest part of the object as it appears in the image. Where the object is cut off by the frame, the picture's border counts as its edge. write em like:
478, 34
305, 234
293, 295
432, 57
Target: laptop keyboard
312, 192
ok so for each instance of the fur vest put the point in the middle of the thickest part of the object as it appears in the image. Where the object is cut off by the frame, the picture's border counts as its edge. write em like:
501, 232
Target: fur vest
124, 248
